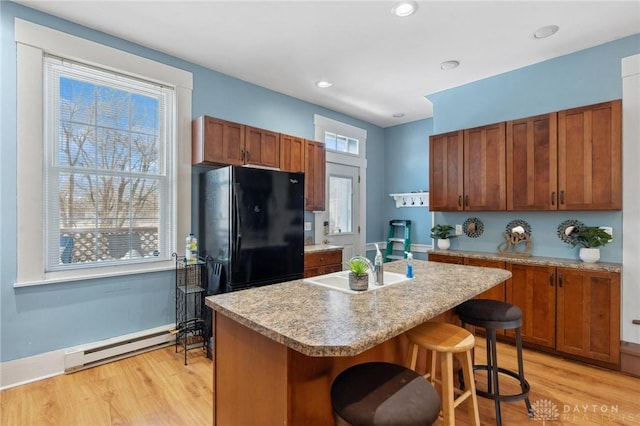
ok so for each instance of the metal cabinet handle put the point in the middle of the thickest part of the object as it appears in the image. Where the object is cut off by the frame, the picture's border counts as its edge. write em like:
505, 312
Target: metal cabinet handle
459, 200
560, 280
562, 197
553, 198
551, 276
466, 200
242, 154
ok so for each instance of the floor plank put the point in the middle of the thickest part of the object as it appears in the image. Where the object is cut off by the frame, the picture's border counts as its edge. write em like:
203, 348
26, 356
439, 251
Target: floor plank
156, 388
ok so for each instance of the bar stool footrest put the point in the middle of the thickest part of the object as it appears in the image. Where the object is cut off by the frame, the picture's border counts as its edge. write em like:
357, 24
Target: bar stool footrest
506, 398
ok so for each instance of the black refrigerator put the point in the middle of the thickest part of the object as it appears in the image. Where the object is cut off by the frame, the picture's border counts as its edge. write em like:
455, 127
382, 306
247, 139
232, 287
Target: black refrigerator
252, 226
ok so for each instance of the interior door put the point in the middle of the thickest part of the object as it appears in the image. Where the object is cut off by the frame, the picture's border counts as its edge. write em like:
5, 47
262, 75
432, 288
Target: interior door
341, 217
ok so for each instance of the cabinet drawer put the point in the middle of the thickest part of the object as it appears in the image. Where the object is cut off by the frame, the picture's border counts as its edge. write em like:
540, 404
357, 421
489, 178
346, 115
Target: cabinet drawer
323, 258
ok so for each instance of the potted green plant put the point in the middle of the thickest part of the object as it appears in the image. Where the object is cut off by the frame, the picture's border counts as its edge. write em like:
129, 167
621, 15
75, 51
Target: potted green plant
358, 273
443, 233
591, 238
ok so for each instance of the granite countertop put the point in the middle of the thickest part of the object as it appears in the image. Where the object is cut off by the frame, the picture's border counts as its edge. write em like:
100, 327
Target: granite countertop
317, 321
313, 248
534, 260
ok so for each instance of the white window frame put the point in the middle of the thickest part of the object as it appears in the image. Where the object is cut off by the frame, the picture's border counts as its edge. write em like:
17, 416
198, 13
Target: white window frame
323, 124
32, 42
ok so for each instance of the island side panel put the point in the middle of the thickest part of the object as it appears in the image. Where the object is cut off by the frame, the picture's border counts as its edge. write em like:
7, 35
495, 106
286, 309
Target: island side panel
250, 377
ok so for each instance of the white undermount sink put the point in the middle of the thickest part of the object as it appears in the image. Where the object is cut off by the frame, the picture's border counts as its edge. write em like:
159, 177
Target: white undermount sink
340, 281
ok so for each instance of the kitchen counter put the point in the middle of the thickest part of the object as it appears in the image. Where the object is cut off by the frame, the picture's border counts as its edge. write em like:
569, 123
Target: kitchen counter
533, 260
317, 321
278, 348
314, 248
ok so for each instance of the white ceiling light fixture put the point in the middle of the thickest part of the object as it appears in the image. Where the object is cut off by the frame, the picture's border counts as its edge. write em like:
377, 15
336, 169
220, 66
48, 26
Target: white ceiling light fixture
449, 65
547, 31
398, 115
404, 8
323, 84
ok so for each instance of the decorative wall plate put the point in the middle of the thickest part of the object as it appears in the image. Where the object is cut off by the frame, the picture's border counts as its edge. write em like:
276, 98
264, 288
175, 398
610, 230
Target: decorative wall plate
519, 222
564, 225
473, 227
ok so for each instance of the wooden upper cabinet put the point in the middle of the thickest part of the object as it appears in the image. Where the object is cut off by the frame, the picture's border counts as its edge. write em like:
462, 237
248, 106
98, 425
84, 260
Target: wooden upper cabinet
590, 157
446, 171
262, 147
589, 314
485, 168
532, 169
314, 180
291, 153
216, 142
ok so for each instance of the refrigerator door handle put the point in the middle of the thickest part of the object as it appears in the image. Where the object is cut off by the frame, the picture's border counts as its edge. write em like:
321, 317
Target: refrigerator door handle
238, 224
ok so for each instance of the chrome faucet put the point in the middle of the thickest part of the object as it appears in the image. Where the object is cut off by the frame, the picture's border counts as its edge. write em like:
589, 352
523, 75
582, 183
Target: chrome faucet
372, 269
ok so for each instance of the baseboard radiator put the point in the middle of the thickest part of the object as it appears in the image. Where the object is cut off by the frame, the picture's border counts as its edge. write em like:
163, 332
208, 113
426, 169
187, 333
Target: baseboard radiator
88, 356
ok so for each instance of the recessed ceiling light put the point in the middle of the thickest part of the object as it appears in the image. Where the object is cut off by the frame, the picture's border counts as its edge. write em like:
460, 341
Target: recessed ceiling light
404, 8
398, 115
544, 32
323, 84
449, 65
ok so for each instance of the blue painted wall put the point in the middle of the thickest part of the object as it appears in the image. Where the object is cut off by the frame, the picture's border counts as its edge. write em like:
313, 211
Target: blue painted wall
406, 152
582, 78
44, 318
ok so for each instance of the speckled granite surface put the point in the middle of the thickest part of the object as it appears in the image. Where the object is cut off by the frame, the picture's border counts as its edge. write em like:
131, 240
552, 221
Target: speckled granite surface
534, 260
317, 321
320, 247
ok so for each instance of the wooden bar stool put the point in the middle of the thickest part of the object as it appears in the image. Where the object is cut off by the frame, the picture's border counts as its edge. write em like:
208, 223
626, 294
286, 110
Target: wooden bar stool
447, 339
382, 393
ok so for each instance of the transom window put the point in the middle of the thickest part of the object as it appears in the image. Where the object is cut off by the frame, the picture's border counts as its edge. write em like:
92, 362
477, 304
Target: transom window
340, 143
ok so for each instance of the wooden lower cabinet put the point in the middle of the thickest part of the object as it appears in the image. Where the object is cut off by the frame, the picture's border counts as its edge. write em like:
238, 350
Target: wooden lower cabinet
588, 309
322, 262
533, 289
567, 311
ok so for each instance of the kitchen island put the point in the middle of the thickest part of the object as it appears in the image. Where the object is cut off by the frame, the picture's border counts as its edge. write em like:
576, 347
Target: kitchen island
278, 348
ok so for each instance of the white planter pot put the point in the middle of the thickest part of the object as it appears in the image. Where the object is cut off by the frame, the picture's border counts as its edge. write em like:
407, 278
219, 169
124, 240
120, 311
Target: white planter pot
589, 255
444, 244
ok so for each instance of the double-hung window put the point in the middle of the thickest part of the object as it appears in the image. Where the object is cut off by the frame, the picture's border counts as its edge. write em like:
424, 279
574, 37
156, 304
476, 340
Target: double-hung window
107, 167
103, 180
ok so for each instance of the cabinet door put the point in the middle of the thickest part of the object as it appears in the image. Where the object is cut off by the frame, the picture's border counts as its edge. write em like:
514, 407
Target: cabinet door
589, 314
291, 153
533, 290
314, 180
532, 163
590, 157
216, 141
494, 293
262, 147
485, 168
446, 171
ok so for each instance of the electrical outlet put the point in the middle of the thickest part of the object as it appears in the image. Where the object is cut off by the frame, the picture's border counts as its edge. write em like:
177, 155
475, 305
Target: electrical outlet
608, 230
307, 226
458, 229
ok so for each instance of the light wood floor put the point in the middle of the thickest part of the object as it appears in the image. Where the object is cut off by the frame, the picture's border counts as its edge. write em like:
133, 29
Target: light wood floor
157, 389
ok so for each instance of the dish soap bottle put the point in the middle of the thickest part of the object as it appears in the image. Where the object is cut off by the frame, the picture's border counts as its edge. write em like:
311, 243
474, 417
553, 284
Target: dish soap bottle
409, 264
378, 266
191, 249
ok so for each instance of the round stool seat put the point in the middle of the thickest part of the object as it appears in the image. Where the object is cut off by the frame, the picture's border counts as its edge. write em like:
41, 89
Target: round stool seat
381, 393
490, 314
441, 337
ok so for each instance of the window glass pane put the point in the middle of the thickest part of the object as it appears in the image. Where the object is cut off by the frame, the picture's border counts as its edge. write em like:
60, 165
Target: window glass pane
330, 141
107, 197
352, 146
340, 205
341, 143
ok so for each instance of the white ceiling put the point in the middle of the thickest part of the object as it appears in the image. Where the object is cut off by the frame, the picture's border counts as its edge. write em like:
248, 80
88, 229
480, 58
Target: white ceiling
379, 64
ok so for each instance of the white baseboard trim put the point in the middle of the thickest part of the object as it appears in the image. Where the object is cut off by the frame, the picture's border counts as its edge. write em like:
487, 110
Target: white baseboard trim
49, 364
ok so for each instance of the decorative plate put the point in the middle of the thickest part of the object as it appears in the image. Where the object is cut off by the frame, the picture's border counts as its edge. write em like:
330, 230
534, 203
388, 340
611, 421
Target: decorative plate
564, 225
473, 227
518, 222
